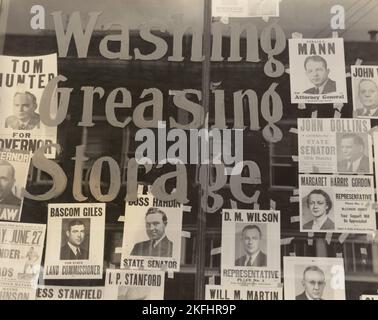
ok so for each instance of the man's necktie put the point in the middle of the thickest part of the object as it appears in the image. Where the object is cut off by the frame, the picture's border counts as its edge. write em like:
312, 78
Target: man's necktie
350, 166
316, 90
77, 253
249, 263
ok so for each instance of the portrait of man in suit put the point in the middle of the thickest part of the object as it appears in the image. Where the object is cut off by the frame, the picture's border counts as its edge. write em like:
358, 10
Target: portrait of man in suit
251, 244
24, 116
317, 72
368, 96
319, 204
313, 283
158, 244
74, 248
354, 160
7, 181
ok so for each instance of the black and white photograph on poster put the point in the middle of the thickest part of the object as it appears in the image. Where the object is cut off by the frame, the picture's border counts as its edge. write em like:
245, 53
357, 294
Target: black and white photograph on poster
134, 285
317, 71
22, 82
365, 91
217, 292
14, 168
152, 234
335, 203
250, 247
334, 146
308, 278
75, 241
21, 246
245, 8
69, 293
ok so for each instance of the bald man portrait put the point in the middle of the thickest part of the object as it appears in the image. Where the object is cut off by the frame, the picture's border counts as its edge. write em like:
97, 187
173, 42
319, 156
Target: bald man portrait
24, 116
7, 181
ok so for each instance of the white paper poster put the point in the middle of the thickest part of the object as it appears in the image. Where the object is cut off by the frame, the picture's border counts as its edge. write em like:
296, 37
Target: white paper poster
250, 247
22, 82
152, 234
308, 278
330, 203
317, 71
14, 168
134, 285
334, 146
21, 246
75, 241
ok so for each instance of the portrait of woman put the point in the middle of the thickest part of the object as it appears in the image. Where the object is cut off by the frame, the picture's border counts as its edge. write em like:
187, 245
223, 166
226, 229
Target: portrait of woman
319, 204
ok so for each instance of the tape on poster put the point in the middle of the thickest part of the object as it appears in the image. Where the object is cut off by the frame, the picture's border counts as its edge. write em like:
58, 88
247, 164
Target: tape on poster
328, 237
185, 234
297, 35
294, 219
310, 240
216, 251
343, 237
187, 208
286, 241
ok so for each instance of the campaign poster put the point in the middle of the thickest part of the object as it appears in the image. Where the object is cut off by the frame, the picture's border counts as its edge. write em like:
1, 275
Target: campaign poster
22, 82
336, 203
317, 71
262, 293
14, 168
152, 234
250, 247
365, 91
69, 293
75, 241
314, 278
21, 246
245, 8
334, 146
134, 285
